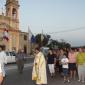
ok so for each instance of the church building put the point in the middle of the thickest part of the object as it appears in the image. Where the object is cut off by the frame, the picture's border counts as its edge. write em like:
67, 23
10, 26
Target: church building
10, 35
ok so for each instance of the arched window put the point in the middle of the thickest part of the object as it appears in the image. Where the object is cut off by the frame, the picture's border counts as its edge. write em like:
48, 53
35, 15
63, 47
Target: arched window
14, 13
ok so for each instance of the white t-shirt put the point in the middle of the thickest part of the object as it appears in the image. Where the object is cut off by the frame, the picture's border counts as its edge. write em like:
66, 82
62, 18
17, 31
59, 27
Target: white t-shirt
3, 58
3, 61
64, 62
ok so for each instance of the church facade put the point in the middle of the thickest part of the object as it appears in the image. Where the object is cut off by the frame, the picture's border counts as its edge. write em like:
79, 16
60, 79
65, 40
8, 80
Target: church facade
10, 35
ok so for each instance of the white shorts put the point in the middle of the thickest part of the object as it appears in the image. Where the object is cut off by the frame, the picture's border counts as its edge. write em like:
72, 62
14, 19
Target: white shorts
51, 68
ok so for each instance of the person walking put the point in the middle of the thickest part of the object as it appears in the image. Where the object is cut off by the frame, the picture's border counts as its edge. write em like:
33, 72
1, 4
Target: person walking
72, 63
20, 60
65, 67
39, 68
61, 53
3, 61
81, 65
51, 62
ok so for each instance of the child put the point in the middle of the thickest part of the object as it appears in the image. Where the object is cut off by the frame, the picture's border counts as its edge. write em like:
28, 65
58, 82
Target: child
65, 68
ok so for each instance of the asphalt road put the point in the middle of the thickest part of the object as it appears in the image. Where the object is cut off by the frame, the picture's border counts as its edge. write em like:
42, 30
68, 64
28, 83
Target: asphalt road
14, 78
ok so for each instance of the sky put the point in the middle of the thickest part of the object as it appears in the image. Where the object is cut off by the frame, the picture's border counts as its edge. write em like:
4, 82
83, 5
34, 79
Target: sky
53, 17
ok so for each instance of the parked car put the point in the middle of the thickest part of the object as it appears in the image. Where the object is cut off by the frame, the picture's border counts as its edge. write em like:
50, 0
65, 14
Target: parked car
10, 56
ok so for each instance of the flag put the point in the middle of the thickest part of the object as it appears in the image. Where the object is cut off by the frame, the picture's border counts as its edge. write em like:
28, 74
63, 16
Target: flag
29, 33
6, 35
42, 36
33, 39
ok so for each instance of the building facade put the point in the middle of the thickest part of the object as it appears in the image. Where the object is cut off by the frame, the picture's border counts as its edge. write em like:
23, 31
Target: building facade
24, 42
9, 27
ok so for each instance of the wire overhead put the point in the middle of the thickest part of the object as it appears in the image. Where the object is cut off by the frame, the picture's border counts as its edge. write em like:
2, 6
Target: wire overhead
70, 30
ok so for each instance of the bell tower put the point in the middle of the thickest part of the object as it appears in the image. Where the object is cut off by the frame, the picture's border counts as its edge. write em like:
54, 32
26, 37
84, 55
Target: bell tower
12, 9
12, 20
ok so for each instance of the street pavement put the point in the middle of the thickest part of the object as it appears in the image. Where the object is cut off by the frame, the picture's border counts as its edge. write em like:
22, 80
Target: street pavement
14, 78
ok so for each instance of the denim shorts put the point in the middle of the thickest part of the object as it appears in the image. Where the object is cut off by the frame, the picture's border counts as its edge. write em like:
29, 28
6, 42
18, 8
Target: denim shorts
72, 66
65, 71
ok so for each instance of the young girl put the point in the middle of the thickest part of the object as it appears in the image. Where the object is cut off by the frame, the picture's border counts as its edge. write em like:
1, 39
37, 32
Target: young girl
64, 62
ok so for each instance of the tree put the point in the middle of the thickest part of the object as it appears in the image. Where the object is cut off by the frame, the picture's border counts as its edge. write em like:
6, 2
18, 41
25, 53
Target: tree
54, 44
42, 39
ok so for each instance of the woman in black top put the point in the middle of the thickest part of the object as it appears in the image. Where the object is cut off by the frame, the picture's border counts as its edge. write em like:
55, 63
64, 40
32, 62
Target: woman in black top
50, 61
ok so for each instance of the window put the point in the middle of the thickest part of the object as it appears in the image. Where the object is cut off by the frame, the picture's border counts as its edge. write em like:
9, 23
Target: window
14, 13
25, 37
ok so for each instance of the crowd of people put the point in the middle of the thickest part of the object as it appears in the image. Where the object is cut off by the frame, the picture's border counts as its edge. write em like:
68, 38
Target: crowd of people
69, 63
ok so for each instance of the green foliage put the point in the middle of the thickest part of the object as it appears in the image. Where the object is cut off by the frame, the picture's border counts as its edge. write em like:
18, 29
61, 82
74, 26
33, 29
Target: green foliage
56, 44
53, 43
42, 42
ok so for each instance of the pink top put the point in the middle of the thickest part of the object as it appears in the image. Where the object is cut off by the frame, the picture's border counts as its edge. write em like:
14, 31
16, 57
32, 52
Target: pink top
72, 57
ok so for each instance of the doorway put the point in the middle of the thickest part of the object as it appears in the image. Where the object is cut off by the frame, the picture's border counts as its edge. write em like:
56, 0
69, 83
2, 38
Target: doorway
25, 49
